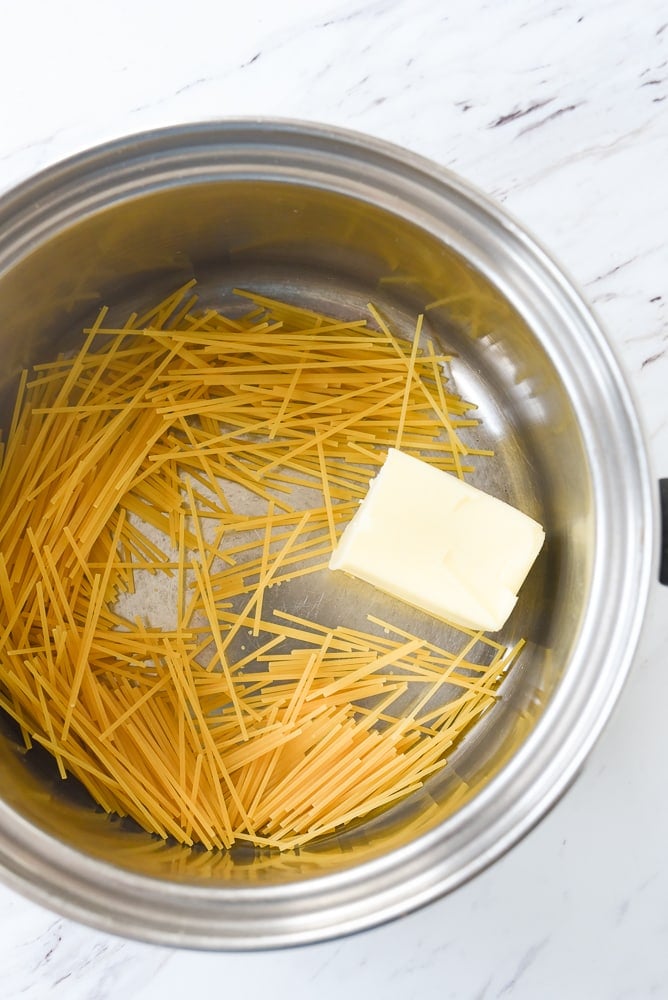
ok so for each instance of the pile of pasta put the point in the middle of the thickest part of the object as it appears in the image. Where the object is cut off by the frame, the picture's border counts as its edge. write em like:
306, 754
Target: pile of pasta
202, 461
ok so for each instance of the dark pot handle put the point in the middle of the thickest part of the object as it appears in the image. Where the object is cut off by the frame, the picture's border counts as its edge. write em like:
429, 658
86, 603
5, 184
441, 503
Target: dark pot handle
663, 563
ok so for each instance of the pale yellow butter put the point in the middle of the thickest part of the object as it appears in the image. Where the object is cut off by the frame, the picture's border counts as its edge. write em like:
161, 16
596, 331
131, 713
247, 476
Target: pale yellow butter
439, 544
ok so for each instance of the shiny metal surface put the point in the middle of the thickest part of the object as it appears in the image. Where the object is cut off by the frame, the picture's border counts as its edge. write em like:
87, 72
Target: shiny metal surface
336, 219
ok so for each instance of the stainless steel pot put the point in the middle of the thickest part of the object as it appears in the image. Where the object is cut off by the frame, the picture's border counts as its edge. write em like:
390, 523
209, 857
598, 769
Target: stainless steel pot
333, 218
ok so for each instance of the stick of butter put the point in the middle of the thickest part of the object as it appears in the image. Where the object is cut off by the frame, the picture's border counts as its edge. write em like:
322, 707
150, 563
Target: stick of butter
428, 538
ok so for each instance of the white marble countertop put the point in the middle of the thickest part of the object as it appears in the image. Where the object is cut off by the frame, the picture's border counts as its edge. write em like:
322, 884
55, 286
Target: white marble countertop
559, 110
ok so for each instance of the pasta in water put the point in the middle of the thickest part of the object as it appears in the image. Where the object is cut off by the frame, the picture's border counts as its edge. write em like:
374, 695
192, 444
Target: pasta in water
213, 458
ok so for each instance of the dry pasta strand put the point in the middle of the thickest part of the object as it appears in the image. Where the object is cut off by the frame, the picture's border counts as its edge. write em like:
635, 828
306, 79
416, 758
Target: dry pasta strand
210, 463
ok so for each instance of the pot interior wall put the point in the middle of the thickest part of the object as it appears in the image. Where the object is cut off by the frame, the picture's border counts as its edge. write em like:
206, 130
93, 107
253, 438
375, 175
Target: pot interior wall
314, 247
